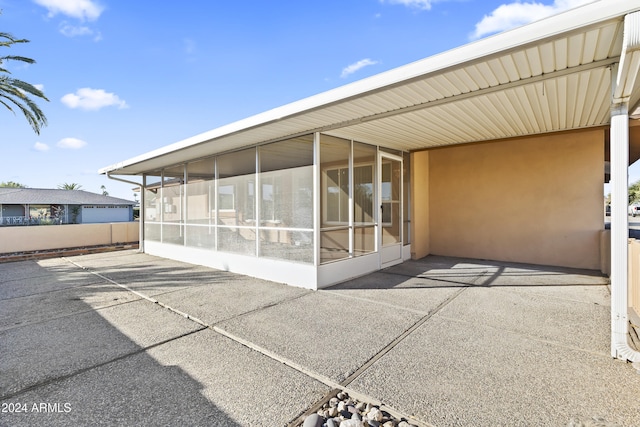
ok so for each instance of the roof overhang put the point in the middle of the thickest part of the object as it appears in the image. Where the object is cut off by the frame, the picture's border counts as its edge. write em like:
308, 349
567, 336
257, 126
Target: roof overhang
548, 76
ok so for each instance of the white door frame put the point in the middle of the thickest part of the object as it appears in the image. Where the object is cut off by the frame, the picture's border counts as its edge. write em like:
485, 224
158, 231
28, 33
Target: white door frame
390, 254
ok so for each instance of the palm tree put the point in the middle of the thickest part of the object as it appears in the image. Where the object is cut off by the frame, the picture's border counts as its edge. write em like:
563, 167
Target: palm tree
72, 186
15, 93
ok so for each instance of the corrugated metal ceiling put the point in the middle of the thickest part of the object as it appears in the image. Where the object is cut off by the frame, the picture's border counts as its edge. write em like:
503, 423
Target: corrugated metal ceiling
559, 83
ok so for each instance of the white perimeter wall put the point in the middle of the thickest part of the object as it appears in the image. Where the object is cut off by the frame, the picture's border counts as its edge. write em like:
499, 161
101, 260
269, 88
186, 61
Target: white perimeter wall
44, 237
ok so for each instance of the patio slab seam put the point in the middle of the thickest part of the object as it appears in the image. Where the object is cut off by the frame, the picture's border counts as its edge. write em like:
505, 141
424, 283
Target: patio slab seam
96, 366
369, 301
343, 385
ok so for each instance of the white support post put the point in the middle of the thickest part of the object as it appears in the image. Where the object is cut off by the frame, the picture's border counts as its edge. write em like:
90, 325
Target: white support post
623, 76
142, 213
619, 227
316, 201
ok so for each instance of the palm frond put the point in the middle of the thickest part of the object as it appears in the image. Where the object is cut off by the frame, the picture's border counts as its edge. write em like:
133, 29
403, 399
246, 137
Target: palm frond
27, 87
17, 58
16, 93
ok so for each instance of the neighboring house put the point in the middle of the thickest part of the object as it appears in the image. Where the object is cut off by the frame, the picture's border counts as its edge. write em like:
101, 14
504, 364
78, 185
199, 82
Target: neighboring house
485, 151
32, 206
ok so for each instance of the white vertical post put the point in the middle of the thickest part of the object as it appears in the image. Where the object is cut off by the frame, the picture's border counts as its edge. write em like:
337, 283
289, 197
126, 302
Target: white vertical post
142, 212
216, 203
619, 149
352, 226
183, 204
316, 202
257, 195
623, 78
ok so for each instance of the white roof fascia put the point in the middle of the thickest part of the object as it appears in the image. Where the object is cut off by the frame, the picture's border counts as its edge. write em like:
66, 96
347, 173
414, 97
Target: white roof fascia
584, 16
629, 59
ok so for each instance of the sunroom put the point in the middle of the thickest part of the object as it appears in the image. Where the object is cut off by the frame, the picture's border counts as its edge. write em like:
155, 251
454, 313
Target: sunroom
485, 151
308, 211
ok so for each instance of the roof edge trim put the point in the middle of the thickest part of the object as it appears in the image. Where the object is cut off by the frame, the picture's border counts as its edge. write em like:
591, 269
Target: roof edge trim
587, 15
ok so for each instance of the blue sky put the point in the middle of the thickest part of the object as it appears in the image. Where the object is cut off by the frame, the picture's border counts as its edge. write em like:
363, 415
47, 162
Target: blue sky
127, 77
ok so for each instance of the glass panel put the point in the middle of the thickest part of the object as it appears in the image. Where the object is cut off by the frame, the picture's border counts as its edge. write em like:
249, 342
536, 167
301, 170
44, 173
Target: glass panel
406, 206
332, 195
364, 240
391, 229
364, 159
390, 194
237, 240
199, 192
172, 233
236, 198
289, 245
152, 231
238, 163
334, 244
286, 200
334, 164
288, 154
287, 184
236, 202
200, 204
201, 236
172, 203
152, 201
171, 190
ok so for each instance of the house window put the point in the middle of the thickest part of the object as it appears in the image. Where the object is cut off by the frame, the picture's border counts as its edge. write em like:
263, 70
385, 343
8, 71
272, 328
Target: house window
226, 198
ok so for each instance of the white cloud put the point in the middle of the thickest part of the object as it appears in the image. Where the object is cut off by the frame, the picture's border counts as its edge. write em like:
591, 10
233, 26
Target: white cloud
39, 146
87, 98
417, 4
515, 14
74, 31
88, 10
71, 143
357, 66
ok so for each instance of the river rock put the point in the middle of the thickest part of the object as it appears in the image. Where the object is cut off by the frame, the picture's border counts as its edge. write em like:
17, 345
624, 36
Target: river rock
375, 414
313, 420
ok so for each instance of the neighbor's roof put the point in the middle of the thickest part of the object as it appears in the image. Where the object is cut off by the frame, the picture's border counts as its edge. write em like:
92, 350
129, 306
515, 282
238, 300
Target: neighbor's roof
41, 196
551, 75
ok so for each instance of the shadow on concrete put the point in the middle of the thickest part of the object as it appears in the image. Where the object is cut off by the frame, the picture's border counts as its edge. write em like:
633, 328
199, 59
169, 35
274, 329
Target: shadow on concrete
75, 353
448, 272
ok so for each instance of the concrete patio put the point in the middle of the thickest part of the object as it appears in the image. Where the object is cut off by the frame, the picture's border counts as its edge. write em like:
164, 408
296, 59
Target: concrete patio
124, 338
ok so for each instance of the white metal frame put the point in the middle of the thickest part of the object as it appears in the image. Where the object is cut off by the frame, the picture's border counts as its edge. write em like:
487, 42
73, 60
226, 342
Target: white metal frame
624, 76
388, 255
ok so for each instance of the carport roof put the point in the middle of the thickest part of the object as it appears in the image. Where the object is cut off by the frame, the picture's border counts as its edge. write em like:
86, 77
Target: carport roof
548, 76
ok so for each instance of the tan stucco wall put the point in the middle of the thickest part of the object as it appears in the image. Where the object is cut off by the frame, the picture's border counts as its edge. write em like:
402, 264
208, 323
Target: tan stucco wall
420, 201
534, 200
43, 237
